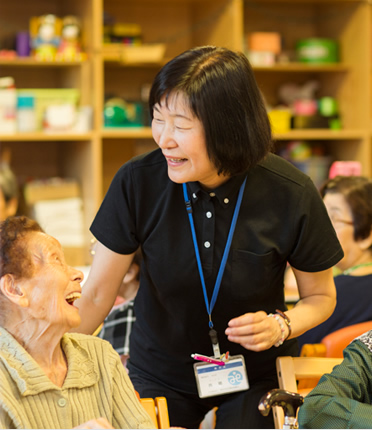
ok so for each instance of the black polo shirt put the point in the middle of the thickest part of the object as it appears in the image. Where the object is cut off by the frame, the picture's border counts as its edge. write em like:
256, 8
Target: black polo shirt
282, 218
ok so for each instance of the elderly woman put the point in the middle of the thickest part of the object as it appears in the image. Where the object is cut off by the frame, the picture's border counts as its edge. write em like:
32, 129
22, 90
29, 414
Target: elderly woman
49, 378
348, 200
343, 398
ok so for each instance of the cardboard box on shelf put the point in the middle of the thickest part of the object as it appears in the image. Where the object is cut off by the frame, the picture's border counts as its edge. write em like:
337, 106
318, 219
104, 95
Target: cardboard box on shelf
58, 207
131, 54
264, 41
50, 189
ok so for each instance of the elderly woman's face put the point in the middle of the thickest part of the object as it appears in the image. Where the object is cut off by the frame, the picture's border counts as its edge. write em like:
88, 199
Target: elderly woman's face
54, 286
342, 220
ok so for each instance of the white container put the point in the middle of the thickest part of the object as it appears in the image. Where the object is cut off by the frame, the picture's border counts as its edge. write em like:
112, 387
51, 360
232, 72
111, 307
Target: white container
8, 103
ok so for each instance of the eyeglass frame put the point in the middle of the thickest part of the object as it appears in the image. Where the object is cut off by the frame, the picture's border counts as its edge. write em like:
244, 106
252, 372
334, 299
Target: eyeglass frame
341, 221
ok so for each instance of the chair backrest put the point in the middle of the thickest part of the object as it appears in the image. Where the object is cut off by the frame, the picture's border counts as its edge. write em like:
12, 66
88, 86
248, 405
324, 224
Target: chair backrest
313, 350
337, 341
290, 370
158, 410
334, 343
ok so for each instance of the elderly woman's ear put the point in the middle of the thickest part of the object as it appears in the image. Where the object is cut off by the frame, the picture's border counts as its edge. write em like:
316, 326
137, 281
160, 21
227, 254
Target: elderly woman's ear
12, 291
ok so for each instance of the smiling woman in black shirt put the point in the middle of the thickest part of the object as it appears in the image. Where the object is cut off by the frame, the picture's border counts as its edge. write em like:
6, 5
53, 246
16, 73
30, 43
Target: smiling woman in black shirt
217, 217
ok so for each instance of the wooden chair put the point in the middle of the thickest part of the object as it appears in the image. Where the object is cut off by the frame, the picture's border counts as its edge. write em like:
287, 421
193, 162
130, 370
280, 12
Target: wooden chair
158, 410
97, 330
291, 370
334, 343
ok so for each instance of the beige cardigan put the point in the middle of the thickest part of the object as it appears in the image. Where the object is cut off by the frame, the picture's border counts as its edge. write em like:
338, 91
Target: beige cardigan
96, 385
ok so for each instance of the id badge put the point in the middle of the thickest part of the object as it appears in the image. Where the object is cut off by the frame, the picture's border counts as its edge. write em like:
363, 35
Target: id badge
214, 380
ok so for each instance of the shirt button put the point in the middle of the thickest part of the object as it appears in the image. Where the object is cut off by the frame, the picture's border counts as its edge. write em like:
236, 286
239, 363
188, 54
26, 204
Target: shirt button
194, 195
62, 402
212, 194
226, 200
207, 244
209, 214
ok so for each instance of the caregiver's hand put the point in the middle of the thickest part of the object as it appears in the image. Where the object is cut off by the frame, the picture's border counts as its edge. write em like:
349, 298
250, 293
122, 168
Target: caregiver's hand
255, 331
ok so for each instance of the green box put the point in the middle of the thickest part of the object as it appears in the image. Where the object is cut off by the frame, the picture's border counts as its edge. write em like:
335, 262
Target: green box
317, 50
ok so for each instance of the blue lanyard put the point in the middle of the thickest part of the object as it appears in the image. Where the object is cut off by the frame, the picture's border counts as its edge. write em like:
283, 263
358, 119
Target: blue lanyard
221, 270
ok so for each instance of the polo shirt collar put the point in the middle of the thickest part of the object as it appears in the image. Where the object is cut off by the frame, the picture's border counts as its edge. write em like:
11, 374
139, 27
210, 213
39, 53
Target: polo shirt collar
225, 193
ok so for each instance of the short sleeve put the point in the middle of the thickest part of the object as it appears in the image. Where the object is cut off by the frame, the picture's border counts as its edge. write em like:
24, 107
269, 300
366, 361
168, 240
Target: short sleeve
317, 247
114, 223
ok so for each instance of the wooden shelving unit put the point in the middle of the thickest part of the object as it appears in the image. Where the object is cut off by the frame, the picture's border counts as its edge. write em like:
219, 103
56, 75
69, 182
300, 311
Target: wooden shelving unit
93, 158
347, 21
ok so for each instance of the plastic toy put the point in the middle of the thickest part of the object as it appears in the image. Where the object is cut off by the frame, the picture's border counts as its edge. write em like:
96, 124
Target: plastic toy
70, 46
45, 36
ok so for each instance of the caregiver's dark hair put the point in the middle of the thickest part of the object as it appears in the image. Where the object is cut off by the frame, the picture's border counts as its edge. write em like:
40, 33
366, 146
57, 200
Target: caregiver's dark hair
222, 92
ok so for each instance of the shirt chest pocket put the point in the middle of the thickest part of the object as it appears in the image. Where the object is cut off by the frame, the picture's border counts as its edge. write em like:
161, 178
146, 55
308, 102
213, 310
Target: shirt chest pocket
252, 275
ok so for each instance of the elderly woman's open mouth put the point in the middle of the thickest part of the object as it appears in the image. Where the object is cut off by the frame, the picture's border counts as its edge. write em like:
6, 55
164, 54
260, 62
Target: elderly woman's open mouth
72, 297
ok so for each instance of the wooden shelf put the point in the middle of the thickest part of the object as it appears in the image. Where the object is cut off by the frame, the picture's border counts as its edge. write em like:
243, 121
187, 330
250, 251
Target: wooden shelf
32, 62
321, 134
116, 63
303, 67
348, 82
42, 136
127, 133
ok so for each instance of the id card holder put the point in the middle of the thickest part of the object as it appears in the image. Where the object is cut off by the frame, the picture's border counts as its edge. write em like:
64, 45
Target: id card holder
214, 380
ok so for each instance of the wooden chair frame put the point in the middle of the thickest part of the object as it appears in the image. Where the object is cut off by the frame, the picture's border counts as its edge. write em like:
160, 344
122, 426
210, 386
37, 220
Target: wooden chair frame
158, 410
290, 370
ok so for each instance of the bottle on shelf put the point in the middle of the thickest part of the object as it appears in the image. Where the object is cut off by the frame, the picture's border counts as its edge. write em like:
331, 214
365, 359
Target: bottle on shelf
26, 116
